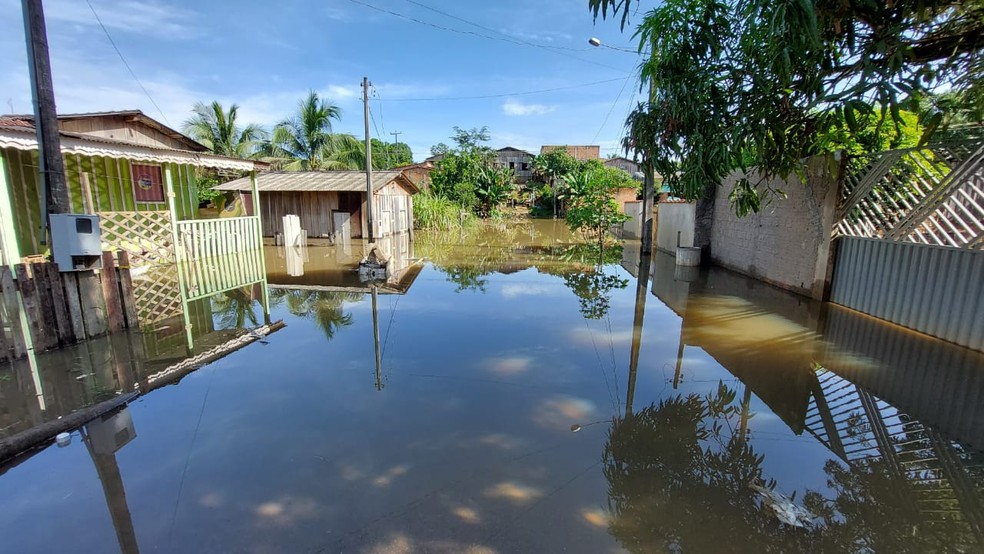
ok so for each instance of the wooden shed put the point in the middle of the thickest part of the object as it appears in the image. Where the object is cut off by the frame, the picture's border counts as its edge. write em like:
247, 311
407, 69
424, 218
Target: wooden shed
332, 204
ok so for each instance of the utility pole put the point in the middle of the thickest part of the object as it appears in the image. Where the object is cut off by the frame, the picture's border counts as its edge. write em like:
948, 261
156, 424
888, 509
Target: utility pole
396, 138
647, 194
51, 167
369, 198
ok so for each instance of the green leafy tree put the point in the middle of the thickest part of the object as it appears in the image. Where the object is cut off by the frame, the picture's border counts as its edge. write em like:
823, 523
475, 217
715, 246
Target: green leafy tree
440, 149
469, 139
305, 141
758, 82
591, 206
219, 131
387, 155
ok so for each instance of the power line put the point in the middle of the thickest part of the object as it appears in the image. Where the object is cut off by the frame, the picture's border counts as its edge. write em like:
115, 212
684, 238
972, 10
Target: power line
506, 94
128, 68
612, 108
480, 35
510, 38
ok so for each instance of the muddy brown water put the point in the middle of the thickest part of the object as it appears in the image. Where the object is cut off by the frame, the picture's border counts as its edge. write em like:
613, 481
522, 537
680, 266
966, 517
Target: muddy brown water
525, 401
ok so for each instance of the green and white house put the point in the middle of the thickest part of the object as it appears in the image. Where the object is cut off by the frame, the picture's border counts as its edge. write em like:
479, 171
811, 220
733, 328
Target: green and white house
139, 176
134, 172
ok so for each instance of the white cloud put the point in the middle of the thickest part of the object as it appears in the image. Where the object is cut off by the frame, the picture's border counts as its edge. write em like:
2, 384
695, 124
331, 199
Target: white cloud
514, 107
143, 17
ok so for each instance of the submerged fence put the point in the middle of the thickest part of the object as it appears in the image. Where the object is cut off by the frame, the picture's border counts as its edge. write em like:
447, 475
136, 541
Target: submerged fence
43, 308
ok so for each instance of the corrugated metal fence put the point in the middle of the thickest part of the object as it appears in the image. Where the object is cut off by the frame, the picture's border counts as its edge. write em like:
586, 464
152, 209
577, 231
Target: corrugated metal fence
932, 289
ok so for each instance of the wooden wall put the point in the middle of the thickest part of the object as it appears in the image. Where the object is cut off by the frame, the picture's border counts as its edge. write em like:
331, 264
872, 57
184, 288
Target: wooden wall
121, 128
96, 184
391, 203
314, 209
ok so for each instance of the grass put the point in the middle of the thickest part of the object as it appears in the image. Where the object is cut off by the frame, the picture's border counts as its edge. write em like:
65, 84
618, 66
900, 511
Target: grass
439, 213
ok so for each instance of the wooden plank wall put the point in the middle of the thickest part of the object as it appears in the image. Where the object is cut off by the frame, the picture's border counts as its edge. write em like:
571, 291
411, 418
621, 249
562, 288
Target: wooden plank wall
314, 209
43, 308
95, 184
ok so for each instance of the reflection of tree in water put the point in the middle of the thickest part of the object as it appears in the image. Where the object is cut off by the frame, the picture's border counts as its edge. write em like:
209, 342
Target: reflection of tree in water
233, 308
679, 477
324, 307
587, 278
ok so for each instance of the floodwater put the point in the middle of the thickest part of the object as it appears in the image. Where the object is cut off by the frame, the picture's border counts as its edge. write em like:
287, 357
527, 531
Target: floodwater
526, 399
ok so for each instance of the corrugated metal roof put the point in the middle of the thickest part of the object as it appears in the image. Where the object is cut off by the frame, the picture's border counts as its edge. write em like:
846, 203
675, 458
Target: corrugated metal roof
317, 181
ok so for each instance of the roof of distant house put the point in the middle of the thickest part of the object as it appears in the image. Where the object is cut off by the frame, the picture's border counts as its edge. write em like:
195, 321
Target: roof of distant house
513, 149
318, 181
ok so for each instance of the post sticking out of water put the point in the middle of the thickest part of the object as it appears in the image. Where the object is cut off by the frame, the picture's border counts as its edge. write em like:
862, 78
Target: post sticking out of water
369, 221
375, 336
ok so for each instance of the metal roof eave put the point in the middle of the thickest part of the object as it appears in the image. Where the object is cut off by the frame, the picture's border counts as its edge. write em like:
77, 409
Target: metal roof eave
23, 138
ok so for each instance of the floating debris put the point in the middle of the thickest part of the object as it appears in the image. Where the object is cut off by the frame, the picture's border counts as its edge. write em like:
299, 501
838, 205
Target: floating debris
785, 509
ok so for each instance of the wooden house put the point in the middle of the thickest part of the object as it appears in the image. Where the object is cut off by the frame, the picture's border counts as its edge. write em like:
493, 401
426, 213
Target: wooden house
137, 174
520, 161
332, 204
419, 174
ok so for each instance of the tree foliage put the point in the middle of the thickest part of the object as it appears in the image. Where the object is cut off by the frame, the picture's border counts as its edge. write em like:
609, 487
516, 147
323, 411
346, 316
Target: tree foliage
220, 132
470, 176
305, 141
758, 82
591, 206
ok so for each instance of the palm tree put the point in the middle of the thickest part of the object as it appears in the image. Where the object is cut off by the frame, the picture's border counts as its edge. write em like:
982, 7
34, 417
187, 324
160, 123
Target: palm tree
306, 141
218, 130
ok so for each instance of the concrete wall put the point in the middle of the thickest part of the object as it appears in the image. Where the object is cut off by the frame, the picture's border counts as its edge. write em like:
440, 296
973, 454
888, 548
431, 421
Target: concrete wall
673, 218
788, 242
632, 227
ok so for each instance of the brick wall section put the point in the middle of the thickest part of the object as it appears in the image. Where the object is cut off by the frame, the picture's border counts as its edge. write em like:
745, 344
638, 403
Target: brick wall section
787, 243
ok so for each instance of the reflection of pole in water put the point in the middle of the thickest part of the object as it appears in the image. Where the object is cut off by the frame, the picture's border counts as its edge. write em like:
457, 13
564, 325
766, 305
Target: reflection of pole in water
679, 363
642, 289
375, 336
115, 492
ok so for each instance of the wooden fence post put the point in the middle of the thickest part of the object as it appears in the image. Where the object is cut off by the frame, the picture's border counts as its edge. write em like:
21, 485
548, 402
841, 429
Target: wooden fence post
126, 288
74, 304
11, 307
111, 293
66, 334
46, 306
30, 297
93, 306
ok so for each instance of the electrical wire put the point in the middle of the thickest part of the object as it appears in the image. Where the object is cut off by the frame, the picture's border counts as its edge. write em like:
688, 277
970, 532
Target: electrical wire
128, 68
511, 38
480, 35
507, 94
612, 108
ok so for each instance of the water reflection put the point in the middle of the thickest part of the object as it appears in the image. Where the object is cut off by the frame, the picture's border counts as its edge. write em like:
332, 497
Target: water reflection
752, 420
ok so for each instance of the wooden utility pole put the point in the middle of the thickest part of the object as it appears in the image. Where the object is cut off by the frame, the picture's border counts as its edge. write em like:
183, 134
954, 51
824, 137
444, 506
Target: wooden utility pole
396, 140
369, 221
51, 168
647, 193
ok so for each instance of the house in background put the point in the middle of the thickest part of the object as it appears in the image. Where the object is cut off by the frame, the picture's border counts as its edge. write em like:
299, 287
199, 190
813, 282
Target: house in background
520, 161
583, 153
136, 173
624, 164
332, 204
418, 174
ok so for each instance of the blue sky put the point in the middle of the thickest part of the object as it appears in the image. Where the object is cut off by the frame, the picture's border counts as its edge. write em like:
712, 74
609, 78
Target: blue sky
265, 56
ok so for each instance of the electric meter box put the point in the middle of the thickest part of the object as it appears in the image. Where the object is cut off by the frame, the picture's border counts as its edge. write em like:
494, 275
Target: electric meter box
76, 242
